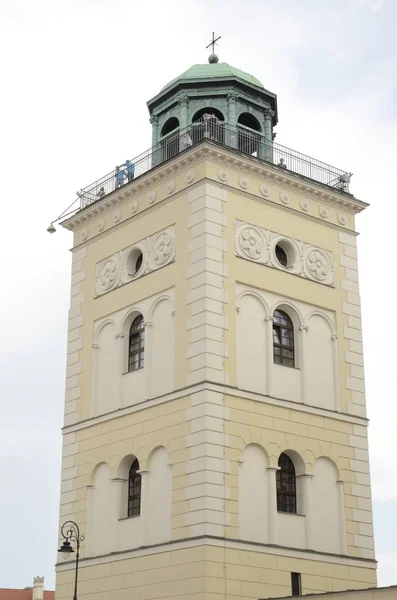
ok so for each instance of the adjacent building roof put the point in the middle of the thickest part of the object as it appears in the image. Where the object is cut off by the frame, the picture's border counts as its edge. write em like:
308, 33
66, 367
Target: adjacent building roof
25, 594
214, 71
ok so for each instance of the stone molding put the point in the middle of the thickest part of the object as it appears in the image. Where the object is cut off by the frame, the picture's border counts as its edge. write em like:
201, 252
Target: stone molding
226, 157
257, 244
158, 250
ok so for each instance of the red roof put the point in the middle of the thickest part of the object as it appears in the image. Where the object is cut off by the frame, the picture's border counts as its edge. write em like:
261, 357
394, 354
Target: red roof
26, 594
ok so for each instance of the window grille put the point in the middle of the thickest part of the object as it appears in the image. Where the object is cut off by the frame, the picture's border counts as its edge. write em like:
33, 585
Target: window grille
136, 347
283, 339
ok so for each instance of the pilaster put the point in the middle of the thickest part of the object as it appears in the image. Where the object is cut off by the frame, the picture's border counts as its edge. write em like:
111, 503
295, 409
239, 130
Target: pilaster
206, 275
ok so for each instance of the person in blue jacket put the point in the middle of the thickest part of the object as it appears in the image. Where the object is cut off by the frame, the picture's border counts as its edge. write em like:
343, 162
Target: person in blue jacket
130, 170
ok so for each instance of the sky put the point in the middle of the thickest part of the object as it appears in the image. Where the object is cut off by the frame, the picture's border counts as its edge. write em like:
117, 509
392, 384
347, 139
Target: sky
76, 76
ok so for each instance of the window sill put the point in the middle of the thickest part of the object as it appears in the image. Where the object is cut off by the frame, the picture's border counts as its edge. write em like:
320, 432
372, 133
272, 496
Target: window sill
287, 366
136, 371
127, 518
282, 512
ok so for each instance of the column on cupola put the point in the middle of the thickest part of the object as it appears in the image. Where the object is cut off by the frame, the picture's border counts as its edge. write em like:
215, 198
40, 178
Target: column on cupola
232, 121
183, 120
267, 152
154, 121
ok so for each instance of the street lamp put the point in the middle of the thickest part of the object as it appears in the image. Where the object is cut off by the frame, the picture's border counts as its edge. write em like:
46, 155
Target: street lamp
70, 532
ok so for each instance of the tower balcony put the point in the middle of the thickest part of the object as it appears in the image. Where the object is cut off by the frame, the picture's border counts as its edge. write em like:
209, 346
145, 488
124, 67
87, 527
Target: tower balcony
238, 138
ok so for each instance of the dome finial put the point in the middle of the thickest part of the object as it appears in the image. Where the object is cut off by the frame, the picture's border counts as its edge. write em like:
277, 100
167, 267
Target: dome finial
213, 59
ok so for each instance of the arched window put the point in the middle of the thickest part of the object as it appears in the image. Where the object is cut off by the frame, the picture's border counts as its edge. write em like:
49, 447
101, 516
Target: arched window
170, 141
134, 490
283, 339
136, 345
208, 123
169, 126
286, 485
248, 141
249, 121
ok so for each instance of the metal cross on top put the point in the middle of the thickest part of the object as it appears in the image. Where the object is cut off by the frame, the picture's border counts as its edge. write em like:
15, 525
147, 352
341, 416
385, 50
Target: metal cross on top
213, 42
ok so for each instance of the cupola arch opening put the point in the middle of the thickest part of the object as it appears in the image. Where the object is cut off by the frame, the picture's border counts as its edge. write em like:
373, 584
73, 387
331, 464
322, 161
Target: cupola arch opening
169, 140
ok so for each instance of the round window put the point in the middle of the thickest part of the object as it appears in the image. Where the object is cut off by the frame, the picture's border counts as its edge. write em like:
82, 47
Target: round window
285, 254
134, 261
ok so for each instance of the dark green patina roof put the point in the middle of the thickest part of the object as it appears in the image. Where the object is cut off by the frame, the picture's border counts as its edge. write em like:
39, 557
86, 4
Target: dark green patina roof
214, 71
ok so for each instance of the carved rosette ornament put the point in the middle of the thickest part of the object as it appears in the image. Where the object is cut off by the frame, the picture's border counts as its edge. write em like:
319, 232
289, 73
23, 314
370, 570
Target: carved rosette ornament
134, 206
222, 174
162, 248
108, 275
116, 216
244, 183
258, 245
151, 197
83, 234
304, 204
189, 177
342, 219
284, 198
323, 212
100, 225
264, 190
170, 187
318, 264
251, 242
157, 251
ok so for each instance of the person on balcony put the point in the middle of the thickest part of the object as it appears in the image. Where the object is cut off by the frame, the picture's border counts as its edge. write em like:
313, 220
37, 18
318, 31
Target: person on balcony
119, 177
188, 140
101, 193
282, 164
130, 170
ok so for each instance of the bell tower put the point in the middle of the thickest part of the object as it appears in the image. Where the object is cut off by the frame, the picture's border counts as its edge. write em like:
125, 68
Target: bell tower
215, 431
235, 98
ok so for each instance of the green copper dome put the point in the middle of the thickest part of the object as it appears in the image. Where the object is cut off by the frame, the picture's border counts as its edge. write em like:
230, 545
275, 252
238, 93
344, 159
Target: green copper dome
215, 70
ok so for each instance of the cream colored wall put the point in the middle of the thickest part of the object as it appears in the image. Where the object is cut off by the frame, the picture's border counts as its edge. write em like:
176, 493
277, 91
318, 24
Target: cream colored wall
314, 379
277, 429
205, 433
210, 572
112, 386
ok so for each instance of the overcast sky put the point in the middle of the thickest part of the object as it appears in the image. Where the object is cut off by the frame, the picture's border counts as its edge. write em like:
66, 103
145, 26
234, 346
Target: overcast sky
75, 77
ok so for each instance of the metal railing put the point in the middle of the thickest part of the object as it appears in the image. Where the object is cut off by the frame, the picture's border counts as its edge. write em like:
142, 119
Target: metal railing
238, 138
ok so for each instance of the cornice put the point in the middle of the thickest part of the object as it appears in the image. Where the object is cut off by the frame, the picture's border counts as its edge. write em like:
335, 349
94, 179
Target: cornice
214, 387
294, 181
153, 177
225, 156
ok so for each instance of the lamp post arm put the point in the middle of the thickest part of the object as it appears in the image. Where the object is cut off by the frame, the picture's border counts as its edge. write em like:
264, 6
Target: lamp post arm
71, 532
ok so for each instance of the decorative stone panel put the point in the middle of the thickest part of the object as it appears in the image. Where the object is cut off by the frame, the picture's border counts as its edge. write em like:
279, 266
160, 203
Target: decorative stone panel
157, 251
304, 260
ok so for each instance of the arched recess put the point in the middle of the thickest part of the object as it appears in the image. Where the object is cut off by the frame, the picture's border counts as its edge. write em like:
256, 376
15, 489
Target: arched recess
123, 473
160, 340
286, 380
253, 495
300, 469
170, 138
100, 525
248, 140
326, 510
106, 370
319, 363
251, 344
159, 497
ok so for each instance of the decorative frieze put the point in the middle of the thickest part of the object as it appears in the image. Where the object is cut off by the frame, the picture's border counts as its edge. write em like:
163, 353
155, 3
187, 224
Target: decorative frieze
145, 256
284, 253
